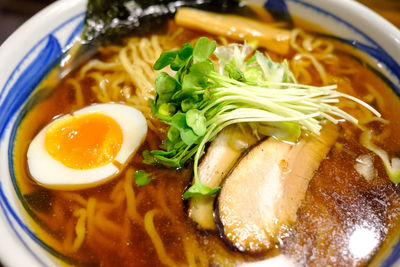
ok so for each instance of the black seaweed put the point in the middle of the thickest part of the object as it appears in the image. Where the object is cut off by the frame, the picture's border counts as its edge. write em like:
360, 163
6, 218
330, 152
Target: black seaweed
107, 22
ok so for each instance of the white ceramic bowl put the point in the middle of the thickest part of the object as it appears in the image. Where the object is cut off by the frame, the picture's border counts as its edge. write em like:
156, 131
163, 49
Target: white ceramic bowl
33, 49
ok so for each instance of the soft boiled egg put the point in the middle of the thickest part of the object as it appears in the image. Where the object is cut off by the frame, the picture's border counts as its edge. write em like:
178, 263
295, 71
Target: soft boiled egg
86, 148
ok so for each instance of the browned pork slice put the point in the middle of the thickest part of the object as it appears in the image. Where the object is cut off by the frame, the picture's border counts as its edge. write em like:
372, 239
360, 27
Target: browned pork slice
264, 190
221, 155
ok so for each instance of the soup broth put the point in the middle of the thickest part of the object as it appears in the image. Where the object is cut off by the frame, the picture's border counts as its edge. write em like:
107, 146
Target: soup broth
123, 224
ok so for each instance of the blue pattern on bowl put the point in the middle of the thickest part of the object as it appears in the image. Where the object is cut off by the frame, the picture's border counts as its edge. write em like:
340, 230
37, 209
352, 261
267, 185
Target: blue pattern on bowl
373, 49
29, 79
17, 95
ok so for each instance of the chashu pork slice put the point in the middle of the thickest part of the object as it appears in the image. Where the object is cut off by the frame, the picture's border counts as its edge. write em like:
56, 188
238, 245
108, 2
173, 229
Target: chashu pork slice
221, 156
264, 190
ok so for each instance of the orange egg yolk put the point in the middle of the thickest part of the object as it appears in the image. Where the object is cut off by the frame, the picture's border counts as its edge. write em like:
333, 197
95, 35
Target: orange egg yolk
84, 141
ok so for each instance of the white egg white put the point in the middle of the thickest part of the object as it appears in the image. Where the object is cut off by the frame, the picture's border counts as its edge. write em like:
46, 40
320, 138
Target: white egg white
51, 173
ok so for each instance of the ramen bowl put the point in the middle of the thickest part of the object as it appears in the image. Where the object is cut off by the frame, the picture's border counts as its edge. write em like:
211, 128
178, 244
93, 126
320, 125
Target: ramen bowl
34, 49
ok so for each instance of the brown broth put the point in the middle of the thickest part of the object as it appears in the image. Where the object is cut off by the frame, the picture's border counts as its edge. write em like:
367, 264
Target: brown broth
337, 202
53, 215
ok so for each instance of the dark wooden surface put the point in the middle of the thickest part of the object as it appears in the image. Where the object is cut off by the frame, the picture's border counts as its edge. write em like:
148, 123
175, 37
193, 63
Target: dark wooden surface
389, 9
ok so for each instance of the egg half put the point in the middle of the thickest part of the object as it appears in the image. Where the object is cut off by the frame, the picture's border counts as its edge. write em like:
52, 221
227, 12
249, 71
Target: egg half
86, 148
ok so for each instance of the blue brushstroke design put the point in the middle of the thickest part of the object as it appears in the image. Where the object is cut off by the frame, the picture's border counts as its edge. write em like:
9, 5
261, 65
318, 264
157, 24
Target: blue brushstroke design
58, 28
28, 80
378, 54
278, 10
15, 98
76, 32
31, 234
277, 6
393, 257
5, 206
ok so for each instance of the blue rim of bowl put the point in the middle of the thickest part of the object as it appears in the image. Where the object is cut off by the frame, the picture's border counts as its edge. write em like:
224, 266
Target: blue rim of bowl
8, 210
14, 104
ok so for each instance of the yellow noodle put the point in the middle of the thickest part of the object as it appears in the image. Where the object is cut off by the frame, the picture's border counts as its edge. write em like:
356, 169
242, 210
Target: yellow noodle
126, 230
293, 38
127, 75
101, 240
78, 93
155, 238
315, 50
98, 65
347, 70
201, 256
117, 85
190, 257
176, 32
379, 98
117, 190
223, 40
119, 200
69, 235
309, 43
157, 49
109, 206
135, 73
300, 72
90, 212
194, 254
109, 49
147, 51
320, 69
106, 225
152, 126
80, 229
99, 88
130, 195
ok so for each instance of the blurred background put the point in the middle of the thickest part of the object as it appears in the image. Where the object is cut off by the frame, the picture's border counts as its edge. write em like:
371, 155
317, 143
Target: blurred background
15, 12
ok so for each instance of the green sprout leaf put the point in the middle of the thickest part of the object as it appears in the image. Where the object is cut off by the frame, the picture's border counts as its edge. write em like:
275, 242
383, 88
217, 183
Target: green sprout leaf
196, 120
188, 136
166, 86
199, 189
182, 58
142, 178
188, 103
148, 158
165, 59
234, 73
166, 111
173, 134
203, 49
193, 82
202, 68
179, 121
199, 102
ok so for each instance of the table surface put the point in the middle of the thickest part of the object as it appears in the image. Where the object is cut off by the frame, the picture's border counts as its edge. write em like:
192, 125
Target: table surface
389, 9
